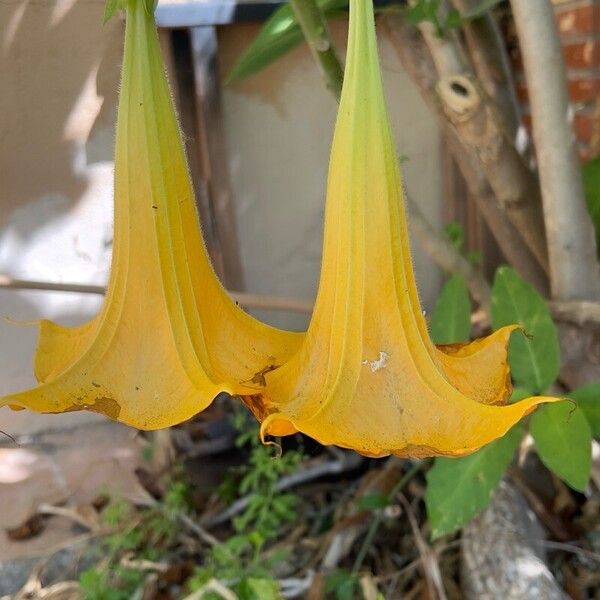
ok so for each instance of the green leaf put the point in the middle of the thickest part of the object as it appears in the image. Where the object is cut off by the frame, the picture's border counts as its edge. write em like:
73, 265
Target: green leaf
564, 442
588, 400
534, 356
111, 7
454, 18
474, 257
519, 393
280, 34
423, 10
374, 501
456, 235
343, 584
263, 589
591, 185
460, 488
451, 317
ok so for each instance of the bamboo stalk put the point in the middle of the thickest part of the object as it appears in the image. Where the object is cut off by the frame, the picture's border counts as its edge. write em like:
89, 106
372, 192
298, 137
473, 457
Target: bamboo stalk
574, 273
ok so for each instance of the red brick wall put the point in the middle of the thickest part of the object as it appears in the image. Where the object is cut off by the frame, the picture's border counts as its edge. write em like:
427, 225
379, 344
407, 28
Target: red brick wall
578, 23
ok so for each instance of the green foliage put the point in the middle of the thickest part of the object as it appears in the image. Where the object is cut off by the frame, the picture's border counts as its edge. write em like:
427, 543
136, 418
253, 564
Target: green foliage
114, 584
375, 501
342, 585
280, 34
456, 235
424, 11
178, 497
239, 560
591, 185
588, 400
115, 513
247, 587
147, 533
534, 355
519, 393
265, 589
451, 317
564, 442
429, 11
459, 488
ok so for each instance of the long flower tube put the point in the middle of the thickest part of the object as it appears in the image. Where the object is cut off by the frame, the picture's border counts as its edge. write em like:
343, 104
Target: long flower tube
367, 376
168, 338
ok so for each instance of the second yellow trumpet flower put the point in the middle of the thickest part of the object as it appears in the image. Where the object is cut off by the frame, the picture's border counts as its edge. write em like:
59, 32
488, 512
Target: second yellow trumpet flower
367, 376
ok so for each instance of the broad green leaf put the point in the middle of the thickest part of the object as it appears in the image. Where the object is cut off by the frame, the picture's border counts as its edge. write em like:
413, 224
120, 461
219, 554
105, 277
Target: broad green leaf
519, 393
451, 317
111, 7
563, 441
588, 400
280, 34
591, 184
534, 355
460, 488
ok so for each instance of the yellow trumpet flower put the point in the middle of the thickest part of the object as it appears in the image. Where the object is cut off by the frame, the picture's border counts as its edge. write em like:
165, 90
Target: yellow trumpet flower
168, 338
367, 376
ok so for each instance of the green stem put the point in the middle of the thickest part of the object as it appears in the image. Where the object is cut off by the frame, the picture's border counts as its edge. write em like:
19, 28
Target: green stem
315, 30
376, 522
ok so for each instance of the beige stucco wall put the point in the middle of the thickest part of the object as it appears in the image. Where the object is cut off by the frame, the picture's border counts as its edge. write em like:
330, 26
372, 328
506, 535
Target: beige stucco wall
59, 72
279, 125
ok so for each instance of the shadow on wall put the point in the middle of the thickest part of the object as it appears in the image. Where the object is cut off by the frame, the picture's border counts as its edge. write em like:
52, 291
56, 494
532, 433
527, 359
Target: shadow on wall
60, 71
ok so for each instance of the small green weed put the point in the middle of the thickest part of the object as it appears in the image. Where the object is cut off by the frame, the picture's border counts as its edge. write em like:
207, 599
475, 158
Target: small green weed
147, 533
240, 560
